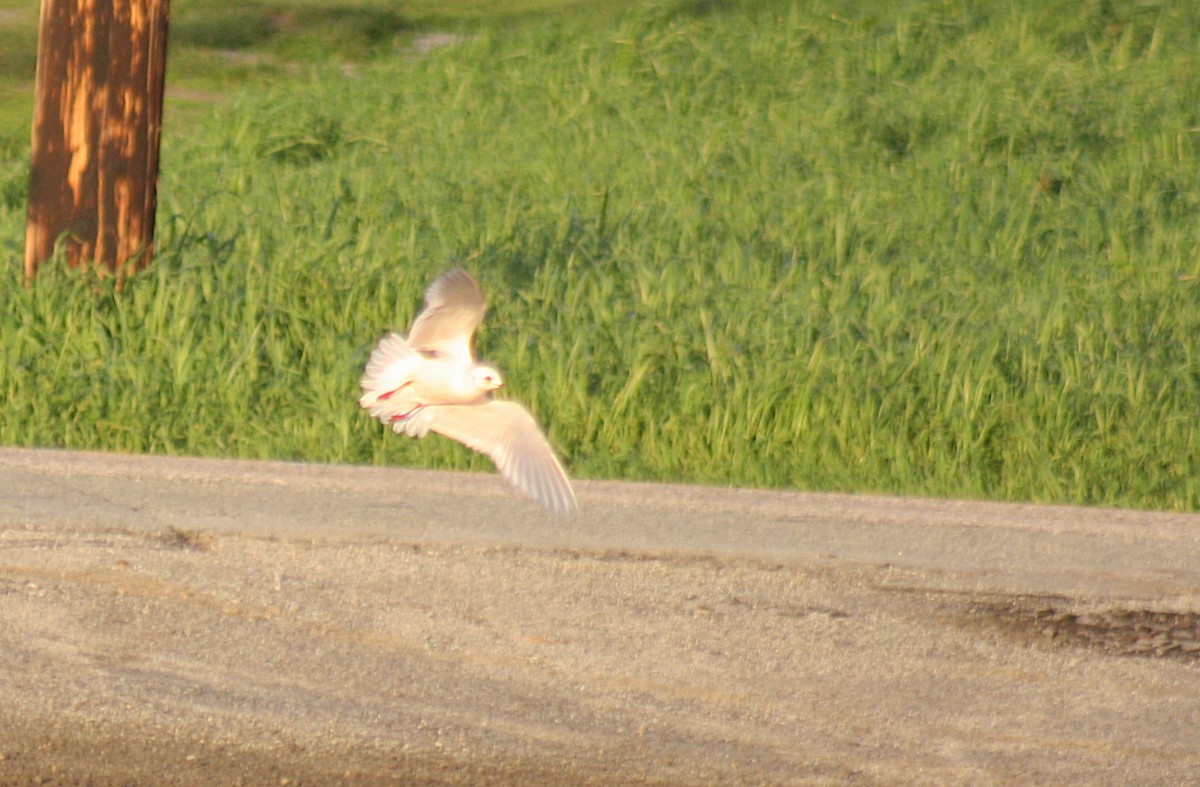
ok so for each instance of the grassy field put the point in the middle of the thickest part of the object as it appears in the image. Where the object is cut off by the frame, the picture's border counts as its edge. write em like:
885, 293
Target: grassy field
938, 248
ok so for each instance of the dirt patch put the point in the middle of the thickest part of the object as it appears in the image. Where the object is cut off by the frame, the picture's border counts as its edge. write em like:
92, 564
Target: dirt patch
1051, 621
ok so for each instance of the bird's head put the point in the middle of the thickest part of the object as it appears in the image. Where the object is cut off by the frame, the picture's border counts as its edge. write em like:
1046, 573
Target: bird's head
487, 378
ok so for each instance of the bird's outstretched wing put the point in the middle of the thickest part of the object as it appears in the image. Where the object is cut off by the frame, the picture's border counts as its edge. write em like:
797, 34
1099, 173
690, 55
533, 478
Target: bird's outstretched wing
506, 432
454, 307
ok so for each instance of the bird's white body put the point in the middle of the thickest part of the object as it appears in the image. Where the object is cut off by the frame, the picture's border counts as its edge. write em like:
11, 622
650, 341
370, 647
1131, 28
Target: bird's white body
430, 380
400, 379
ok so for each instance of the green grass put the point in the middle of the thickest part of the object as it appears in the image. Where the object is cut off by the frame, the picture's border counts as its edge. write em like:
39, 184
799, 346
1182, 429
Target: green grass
936, 248
216, 45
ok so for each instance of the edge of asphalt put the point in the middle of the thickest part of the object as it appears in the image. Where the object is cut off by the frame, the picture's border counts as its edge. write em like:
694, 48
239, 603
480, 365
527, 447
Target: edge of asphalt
958, 544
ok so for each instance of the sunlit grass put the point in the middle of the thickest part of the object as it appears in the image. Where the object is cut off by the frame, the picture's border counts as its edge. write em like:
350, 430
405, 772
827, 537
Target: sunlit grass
948, 250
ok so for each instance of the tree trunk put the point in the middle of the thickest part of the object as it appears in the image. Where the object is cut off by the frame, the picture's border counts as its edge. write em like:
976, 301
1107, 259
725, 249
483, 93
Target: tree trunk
96, 125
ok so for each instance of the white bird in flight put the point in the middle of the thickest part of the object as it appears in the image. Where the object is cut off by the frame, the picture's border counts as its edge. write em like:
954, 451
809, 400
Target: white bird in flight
431, 380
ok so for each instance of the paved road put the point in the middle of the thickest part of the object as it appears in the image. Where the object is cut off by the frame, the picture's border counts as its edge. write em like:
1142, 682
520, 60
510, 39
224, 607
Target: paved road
184, 621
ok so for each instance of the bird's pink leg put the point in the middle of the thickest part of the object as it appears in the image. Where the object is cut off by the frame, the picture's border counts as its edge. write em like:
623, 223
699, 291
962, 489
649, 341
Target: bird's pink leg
402, 416
388, 395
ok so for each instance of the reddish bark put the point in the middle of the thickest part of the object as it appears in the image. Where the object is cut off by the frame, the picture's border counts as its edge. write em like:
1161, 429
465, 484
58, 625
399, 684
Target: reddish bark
96, 127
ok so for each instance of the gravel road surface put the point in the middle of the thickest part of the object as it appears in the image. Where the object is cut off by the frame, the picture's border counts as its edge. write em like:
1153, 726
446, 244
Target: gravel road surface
187, 621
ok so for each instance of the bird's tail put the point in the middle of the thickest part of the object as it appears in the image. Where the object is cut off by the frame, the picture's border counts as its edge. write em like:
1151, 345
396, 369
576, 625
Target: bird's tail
388, 372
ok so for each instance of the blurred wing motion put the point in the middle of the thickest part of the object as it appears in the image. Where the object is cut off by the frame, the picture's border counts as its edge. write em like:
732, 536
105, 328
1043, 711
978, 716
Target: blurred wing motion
389, 372
454, 307
506, 432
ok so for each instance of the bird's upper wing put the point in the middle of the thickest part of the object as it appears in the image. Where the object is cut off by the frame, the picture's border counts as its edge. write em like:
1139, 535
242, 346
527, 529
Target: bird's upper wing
507, 433
454, 307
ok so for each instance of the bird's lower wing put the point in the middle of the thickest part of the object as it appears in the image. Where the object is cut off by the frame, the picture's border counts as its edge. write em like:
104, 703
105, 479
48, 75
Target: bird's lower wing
389, 371
507, 433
